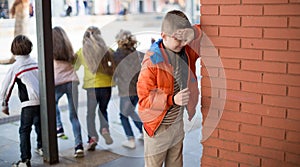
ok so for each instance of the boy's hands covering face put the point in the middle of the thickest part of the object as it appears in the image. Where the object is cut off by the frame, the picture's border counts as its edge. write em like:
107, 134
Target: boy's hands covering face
185, 35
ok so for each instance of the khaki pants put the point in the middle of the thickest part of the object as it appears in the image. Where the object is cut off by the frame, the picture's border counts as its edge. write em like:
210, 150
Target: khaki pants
165, 146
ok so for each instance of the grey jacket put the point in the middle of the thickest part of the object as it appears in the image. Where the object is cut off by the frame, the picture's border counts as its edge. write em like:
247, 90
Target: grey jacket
127, 71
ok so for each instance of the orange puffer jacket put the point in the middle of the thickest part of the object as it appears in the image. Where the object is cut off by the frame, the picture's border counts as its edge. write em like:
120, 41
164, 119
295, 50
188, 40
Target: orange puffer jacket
155, 86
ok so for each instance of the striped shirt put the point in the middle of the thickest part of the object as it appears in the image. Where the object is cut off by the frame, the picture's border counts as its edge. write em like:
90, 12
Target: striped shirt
180, 73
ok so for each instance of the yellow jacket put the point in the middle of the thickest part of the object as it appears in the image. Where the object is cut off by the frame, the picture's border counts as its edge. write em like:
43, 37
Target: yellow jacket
90, 80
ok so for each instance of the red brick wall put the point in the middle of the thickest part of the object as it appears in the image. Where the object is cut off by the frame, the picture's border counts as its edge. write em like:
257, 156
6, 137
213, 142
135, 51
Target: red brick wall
258, 55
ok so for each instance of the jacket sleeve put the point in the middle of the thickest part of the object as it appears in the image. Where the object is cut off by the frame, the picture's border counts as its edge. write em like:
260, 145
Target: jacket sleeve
78, 61
7, 87
152, 101
195, 44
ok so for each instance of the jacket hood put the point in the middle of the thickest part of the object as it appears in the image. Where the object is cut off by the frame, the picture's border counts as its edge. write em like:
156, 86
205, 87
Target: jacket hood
156, 57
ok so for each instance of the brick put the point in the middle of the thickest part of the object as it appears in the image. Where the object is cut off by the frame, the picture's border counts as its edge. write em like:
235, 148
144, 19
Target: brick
205, 103
263, 131
209, 50
241, 32
292, 136
293, 114
264, 1
294, 22
223, 42
211, 121
291, 9
275, 163
239, 137
237, 53
220, 83
209, 9
212, 105
282, 56
294, 68
242, 75
293, 158
222, 144
294, 91
291, 148
294, 45
231, 63
210, 151
272, 143
281, 79
213, 162
210, 30
264, 66
245, 165
228, 163
263, 88
241, 96
220, 20
209, 72
229, 125
280, 145
208, 93
242, 117
232, 105
219, 2
264, 21
243, 10
214, 113
286, 124
233, 85
240, 157
208, 161
279, 33
262, 152
263, 110
208, 132
212, 62
281, 101
294, 1
205, 82
264, 44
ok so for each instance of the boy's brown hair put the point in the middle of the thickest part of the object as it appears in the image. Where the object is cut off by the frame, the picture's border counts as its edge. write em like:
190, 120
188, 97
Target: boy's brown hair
174, 20
62, 47
21, 45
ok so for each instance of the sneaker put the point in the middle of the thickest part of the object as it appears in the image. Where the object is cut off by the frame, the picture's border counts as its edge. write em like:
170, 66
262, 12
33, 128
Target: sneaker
106, 135
129, 144
60, 132
39, 151
92, 144
78, 151
22, 163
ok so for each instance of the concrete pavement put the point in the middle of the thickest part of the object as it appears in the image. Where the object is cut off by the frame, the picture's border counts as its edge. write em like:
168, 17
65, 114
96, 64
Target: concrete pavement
105, 155
145, 26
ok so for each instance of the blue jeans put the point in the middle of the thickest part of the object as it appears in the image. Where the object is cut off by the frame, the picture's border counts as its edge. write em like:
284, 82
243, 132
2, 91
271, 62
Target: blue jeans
127, 108
71, 90
100, 96
29, 116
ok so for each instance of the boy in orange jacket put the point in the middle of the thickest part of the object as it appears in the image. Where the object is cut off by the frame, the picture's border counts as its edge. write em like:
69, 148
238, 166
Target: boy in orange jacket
167, 83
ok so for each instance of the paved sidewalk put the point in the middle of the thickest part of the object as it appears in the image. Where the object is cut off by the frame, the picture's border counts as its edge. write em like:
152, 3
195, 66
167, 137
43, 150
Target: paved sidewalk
105, 155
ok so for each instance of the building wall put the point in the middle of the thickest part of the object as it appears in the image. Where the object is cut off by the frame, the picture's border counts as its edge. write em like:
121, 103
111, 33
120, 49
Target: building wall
258, 48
